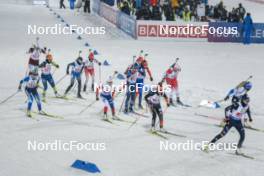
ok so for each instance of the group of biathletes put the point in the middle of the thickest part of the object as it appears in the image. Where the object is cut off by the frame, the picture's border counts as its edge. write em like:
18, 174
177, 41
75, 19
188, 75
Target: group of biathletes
135, 73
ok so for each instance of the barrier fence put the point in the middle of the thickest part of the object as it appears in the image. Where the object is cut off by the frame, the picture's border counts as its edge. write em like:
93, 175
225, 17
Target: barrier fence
124, 22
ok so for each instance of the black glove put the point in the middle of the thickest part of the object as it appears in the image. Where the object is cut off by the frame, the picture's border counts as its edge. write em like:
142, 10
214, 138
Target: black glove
57, 66
67, 72
151, 79
250, 120
97, 98
99, 63
226, 98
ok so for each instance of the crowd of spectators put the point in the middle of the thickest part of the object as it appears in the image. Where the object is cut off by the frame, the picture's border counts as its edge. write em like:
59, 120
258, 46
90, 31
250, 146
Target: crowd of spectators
187, 10
219, 12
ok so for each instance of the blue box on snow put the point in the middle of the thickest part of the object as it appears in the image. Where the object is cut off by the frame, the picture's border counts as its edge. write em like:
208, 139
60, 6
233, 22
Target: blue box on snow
86, 166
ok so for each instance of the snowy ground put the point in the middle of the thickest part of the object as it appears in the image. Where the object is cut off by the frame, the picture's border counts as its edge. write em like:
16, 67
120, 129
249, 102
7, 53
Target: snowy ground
208, 71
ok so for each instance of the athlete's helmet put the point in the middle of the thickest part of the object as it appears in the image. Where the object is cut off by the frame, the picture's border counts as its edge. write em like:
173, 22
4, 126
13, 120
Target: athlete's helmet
248, 85
79, 60
157, 88
245, 99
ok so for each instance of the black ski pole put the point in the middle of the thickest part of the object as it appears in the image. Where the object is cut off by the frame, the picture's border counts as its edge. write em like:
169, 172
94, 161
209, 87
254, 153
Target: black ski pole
61, 79
5, 100
122, 104
89, 105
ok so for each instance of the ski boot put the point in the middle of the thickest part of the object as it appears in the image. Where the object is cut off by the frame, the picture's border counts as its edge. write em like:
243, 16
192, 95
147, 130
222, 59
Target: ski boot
79, 96
84, 88
113, 114
105, 116
239, 151
92, 87
56, 92
179, 101
131, 110
29, 113
42, 112
140, 106
172, 103
65, 94
162, 130
152, 130
126, 111
115, 117
205, 148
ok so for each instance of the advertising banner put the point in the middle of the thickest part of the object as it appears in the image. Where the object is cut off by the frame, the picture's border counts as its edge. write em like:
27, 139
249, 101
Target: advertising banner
171, 30
257, 34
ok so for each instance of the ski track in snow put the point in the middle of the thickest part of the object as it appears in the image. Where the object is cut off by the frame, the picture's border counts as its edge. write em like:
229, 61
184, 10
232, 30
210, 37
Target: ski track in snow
208, 71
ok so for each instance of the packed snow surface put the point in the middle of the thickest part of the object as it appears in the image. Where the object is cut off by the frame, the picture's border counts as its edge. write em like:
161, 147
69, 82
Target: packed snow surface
209, 70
